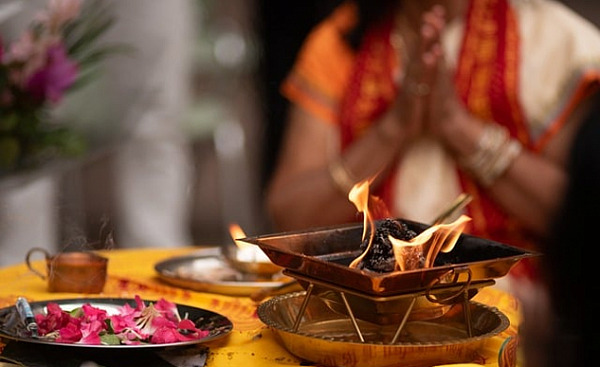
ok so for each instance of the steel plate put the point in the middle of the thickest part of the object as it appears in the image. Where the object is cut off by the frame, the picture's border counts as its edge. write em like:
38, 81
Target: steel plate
217, 324
208, 270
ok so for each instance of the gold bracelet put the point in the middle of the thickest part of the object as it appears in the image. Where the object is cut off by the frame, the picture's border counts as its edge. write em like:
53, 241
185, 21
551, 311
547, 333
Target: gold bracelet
342, 179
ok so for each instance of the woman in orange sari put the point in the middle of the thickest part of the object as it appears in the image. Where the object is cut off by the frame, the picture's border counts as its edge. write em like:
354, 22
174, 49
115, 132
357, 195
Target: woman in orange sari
481, 97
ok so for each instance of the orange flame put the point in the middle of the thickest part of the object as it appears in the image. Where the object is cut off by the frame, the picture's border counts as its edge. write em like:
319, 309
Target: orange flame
359, 196
235, 231
421, 251
245, 252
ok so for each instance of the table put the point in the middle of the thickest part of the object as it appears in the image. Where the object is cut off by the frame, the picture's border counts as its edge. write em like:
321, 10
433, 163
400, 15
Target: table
251, 343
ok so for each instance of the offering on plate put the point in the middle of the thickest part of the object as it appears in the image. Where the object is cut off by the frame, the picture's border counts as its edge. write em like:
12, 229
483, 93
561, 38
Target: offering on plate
152, 323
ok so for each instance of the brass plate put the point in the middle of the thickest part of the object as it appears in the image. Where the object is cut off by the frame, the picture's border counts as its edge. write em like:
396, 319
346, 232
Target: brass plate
328, 338
208, 270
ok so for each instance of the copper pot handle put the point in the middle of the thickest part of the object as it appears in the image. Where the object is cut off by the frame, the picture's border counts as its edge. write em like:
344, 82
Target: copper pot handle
456, 271
28, 260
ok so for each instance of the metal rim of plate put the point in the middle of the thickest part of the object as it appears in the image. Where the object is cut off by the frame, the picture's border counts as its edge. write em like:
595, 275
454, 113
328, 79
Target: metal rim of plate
168, 272
265, 308
326, 340
218, 325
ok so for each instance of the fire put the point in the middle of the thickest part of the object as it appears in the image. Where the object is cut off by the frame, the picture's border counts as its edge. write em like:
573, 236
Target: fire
421, 251
235, 231
245, 251
359, 196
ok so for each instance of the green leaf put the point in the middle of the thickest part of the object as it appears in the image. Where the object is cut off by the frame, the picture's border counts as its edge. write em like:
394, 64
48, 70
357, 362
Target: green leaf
85, 77
67, 142
94, 20
9, 122
110, 339
9, 152
90, 35
93, 57
76, 312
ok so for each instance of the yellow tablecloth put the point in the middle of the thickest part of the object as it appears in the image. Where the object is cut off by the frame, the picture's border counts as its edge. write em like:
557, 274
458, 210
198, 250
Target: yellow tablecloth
131, 272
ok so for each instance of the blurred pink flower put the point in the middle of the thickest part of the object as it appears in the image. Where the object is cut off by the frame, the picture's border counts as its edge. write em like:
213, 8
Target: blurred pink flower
38, 68
122, 322
57, 75
55, 319
90, 331
92, 313
58, 13
22, 49
71, 333
27, 55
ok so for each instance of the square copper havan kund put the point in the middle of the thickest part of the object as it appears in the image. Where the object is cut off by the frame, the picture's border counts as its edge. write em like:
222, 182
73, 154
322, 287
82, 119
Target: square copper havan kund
324, 254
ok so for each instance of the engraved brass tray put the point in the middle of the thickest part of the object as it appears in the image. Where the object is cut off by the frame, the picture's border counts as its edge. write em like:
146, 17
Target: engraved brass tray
328, 338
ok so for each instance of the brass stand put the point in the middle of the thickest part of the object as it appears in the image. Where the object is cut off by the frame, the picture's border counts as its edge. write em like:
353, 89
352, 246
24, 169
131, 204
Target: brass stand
454, 293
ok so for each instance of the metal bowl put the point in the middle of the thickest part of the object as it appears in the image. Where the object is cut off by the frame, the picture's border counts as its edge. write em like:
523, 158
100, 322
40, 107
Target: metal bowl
328, 338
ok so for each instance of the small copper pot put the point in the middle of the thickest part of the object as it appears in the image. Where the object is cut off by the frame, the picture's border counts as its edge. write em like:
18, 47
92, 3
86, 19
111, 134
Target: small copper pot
74, 272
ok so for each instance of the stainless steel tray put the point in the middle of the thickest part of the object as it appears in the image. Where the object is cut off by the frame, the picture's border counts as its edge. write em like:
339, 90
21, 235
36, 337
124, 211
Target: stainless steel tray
208, 270
324, 254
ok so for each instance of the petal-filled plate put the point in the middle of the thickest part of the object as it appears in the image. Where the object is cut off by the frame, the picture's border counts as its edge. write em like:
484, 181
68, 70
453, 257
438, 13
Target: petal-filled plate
12, 328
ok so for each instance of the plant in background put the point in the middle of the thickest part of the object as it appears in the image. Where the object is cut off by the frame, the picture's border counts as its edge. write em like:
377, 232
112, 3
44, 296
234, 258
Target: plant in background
58, 53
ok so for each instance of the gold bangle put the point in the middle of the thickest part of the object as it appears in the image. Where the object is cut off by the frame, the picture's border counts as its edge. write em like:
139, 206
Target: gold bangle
502, 162
495, 153
490, 142
341, 177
